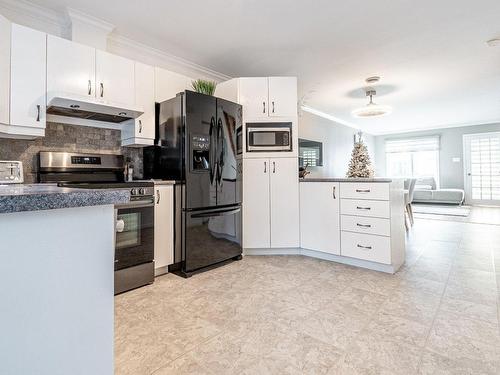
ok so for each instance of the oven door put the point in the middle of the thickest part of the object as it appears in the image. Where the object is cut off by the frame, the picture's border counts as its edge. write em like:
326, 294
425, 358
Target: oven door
212, 236
134, 239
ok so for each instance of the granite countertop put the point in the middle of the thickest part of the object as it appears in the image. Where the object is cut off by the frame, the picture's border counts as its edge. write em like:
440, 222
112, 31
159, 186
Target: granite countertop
345, 179
159, 182
35, 197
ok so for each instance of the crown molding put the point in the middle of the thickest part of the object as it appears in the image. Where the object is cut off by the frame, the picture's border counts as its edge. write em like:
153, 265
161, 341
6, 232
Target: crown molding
92, 21
53, 22
163, 59
29, 14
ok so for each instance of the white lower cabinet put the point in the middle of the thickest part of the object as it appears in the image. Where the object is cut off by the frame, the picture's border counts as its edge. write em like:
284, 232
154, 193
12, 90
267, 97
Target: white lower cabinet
360, 223
164, 228
270, 203
319, 217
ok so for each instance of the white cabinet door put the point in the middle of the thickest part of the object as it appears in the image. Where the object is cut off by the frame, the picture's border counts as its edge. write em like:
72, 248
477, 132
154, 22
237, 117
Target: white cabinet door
115, 78
282, 96
70, 68
5, 30
145, 99
253, 96
28, 77
169, 84
320, 216
256, 215
284, 198
164, 225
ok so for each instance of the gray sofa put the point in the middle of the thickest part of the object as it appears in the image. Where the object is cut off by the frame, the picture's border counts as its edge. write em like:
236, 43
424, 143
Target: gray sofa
426, 192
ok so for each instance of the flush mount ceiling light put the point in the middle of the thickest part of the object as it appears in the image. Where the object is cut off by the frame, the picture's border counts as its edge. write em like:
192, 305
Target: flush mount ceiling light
493, 42
372, 109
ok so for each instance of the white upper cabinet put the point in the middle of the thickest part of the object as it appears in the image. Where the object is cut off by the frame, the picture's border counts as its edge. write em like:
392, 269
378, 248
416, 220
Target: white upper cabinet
28, 80
70, 68
115, 78
282, 96
141, 131
284, 202
320, 216
253, 96
23, 96
5, 30
169, 84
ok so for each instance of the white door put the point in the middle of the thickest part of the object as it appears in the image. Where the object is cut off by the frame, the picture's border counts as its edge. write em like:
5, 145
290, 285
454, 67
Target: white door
482, 168
115, 78
253, 96
70, 68
256, 215
320, 216
284, 200
28, 77
169, 84
5, 30
283, 96
164, 225
145, 99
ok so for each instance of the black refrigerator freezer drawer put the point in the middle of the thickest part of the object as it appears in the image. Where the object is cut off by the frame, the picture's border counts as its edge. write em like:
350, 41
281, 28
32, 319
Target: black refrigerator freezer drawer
211, 237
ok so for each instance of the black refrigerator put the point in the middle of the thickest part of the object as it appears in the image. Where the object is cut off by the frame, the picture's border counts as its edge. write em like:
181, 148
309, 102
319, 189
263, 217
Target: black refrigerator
195, 145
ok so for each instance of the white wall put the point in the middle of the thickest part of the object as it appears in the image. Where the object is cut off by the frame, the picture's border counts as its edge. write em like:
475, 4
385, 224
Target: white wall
451, 174
337, 142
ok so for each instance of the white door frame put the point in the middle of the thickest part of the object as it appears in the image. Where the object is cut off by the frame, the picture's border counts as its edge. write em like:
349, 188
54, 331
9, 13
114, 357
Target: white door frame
467, 179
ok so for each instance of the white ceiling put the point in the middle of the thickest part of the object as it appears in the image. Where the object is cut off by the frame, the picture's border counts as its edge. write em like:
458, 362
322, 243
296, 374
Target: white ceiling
435, 66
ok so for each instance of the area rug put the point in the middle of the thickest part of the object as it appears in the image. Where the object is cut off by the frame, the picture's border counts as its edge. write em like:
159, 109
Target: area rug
441, 209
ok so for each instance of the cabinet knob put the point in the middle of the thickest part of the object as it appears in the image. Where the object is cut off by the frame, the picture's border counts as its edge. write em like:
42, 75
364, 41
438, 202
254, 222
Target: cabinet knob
263, 107
140, 126
102, 89
364, 247
333, 193
265, 167
158, 197
90, 87
363, 190
274, 167
38, 112
273, 106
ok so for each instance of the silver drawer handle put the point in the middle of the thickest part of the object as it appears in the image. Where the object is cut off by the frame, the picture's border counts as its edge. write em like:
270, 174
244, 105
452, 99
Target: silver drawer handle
364, 225
363, 190
363, 208
364, 247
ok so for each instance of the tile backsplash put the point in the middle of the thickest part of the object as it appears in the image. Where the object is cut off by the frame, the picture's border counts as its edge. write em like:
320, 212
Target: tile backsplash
71, 138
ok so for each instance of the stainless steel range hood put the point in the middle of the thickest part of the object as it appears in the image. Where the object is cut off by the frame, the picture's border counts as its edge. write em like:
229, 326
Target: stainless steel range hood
90, 109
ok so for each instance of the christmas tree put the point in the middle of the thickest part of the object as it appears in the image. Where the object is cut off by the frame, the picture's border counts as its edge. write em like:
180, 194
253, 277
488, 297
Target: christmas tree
360, 165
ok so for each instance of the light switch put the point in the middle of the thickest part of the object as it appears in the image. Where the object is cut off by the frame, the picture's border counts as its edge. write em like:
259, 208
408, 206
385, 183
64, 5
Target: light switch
455, 160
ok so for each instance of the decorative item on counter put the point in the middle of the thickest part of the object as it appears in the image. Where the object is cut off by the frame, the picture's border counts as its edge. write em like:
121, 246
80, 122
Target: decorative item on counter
360, 165
303, 172
204, 87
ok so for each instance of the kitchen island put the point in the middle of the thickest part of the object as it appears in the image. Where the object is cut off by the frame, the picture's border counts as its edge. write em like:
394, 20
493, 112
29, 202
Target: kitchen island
56, 271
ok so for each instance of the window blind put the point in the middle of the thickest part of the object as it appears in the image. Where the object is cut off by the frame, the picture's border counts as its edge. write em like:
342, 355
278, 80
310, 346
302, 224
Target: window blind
412, 144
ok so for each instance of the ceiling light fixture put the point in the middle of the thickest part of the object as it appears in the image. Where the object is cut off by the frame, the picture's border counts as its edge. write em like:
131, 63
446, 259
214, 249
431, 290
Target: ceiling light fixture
493, 42
372, 109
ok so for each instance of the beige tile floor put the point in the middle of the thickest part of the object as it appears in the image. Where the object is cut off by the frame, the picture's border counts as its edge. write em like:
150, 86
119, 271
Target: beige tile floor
297, 315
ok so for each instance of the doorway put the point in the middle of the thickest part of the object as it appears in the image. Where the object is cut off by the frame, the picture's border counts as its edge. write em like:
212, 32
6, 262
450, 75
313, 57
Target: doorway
482, 168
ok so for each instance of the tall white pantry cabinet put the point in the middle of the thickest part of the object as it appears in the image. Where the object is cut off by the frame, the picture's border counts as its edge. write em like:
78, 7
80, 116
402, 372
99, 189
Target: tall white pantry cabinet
270, 179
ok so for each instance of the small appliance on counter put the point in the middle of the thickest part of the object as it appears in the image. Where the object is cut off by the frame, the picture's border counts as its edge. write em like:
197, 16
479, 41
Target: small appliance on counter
134, 229
11, 172
196, 146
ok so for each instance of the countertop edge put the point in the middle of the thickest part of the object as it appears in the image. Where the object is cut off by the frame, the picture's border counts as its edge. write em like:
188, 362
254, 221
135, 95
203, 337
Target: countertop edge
344, 179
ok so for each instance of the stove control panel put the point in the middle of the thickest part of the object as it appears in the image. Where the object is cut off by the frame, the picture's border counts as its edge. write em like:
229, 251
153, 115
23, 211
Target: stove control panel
90, 160
142, 191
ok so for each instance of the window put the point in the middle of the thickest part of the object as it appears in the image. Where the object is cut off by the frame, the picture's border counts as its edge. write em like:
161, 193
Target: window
310, 153
413, 157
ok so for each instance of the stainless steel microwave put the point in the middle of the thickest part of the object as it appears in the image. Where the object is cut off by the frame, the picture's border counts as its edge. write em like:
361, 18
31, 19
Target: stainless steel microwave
269, 136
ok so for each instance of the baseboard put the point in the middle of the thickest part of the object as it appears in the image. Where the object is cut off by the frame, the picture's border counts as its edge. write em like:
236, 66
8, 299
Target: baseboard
387, 268
161, 271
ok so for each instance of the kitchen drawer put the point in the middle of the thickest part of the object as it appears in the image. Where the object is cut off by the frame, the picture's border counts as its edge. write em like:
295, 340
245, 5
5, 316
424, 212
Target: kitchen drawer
360, 207
366, 246
365, 190
369, 225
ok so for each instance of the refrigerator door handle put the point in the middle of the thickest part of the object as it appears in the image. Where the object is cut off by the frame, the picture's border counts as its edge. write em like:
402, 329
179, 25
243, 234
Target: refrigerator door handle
220, 150
216, 213
212, 150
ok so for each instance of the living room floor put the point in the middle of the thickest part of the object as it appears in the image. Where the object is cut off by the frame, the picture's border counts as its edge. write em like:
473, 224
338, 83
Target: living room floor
298, 315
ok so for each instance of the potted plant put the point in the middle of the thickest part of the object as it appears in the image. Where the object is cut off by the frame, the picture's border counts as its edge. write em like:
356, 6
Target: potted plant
204, 87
